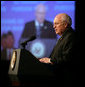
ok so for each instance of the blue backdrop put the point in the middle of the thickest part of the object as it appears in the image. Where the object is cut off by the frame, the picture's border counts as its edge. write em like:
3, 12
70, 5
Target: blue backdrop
14, 14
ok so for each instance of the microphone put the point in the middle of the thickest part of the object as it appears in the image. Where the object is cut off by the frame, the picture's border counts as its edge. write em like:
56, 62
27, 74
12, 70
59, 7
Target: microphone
25, 42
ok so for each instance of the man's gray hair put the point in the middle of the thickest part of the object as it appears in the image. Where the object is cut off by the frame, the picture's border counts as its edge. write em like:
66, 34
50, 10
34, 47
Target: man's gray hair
67, 19
40, 6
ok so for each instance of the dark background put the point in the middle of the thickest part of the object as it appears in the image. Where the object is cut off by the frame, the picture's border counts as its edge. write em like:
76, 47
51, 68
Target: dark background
78, 28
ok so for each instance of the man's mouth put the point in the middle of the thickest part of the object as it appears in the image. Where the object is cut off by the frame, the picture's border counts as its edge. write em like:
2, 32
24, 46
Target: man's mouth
55, 29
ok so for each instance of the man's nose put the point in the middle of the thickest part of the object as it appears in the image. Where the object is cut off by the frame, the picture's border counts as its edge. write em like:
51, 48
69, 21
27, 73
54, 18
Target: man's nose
54, 26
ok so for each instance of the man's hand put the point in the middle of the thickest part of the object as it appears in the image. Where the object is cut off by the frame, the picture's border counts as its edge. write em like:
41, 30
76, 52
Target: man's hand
45, 60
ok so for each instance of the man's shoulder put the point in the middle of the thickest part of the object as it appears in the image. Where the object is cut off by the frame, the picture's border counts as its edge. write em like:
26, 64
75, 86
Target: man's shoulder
69, 31
48, 22
30, 22
69, 35
33, 21
3, 52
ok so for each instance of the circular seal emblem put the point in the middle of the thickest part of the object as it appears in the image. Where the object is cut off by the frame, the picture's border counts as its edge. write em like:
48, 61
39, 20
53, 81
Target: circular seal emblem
37, 49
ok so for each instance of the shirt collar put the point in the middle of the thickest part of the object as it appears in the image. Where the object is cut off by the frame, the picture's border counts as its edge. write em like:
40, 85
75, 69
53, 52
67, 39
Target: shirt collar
67, 29
9, 49
37, 23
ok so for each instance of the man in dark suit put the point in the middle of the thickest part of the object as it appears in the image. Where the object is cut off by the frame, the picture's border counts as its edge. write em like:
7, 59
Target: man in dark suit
39, 27
63, 56
6, 53
64, 46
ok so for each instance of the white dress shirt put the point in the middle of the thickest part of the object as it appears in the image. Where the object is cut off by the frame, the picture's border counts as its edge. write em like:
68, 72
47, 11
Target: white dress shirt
8, 51
37, 23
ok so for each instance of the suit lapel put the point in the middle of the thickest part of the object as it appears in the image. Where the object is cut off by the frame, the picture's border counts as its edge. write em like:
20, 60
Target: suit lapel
58, 44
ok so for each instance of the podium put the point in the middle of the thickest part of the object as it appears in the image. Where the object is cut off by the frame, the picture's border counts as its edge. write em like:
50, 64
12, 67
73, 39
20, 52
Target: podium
24, 63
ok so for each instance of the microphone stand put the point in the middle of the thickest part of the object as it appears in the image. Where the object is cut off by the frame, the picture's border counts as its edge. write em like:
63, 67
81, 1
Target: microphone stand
24, 44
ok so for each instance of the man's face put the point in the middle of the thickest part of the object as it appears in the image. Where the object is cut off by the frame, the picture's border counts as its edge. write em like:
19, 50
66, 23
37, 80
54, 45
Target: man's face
40, 15
10, 41
59, 26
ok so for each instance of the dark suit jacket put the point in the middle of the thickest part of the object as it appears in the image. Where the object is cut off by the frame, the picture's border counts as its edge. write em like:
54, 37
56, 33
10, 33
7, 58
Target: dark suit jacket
64, 52
64, 57
47, 30
3, 54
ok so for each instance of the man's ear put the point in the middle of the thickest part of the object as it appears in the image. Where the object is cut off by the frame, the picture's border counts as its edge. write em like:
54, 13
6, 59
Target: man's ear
66, 25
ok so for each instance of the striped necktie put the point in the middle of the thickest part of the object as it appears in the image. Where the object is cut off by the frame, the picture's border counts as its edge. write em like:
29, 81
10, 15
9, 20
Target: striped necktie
38, 31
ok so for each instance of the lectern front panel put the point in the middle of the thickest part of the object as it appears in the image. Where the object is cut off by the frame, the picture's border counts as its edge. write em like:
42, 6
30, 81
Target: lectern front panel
24, 63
